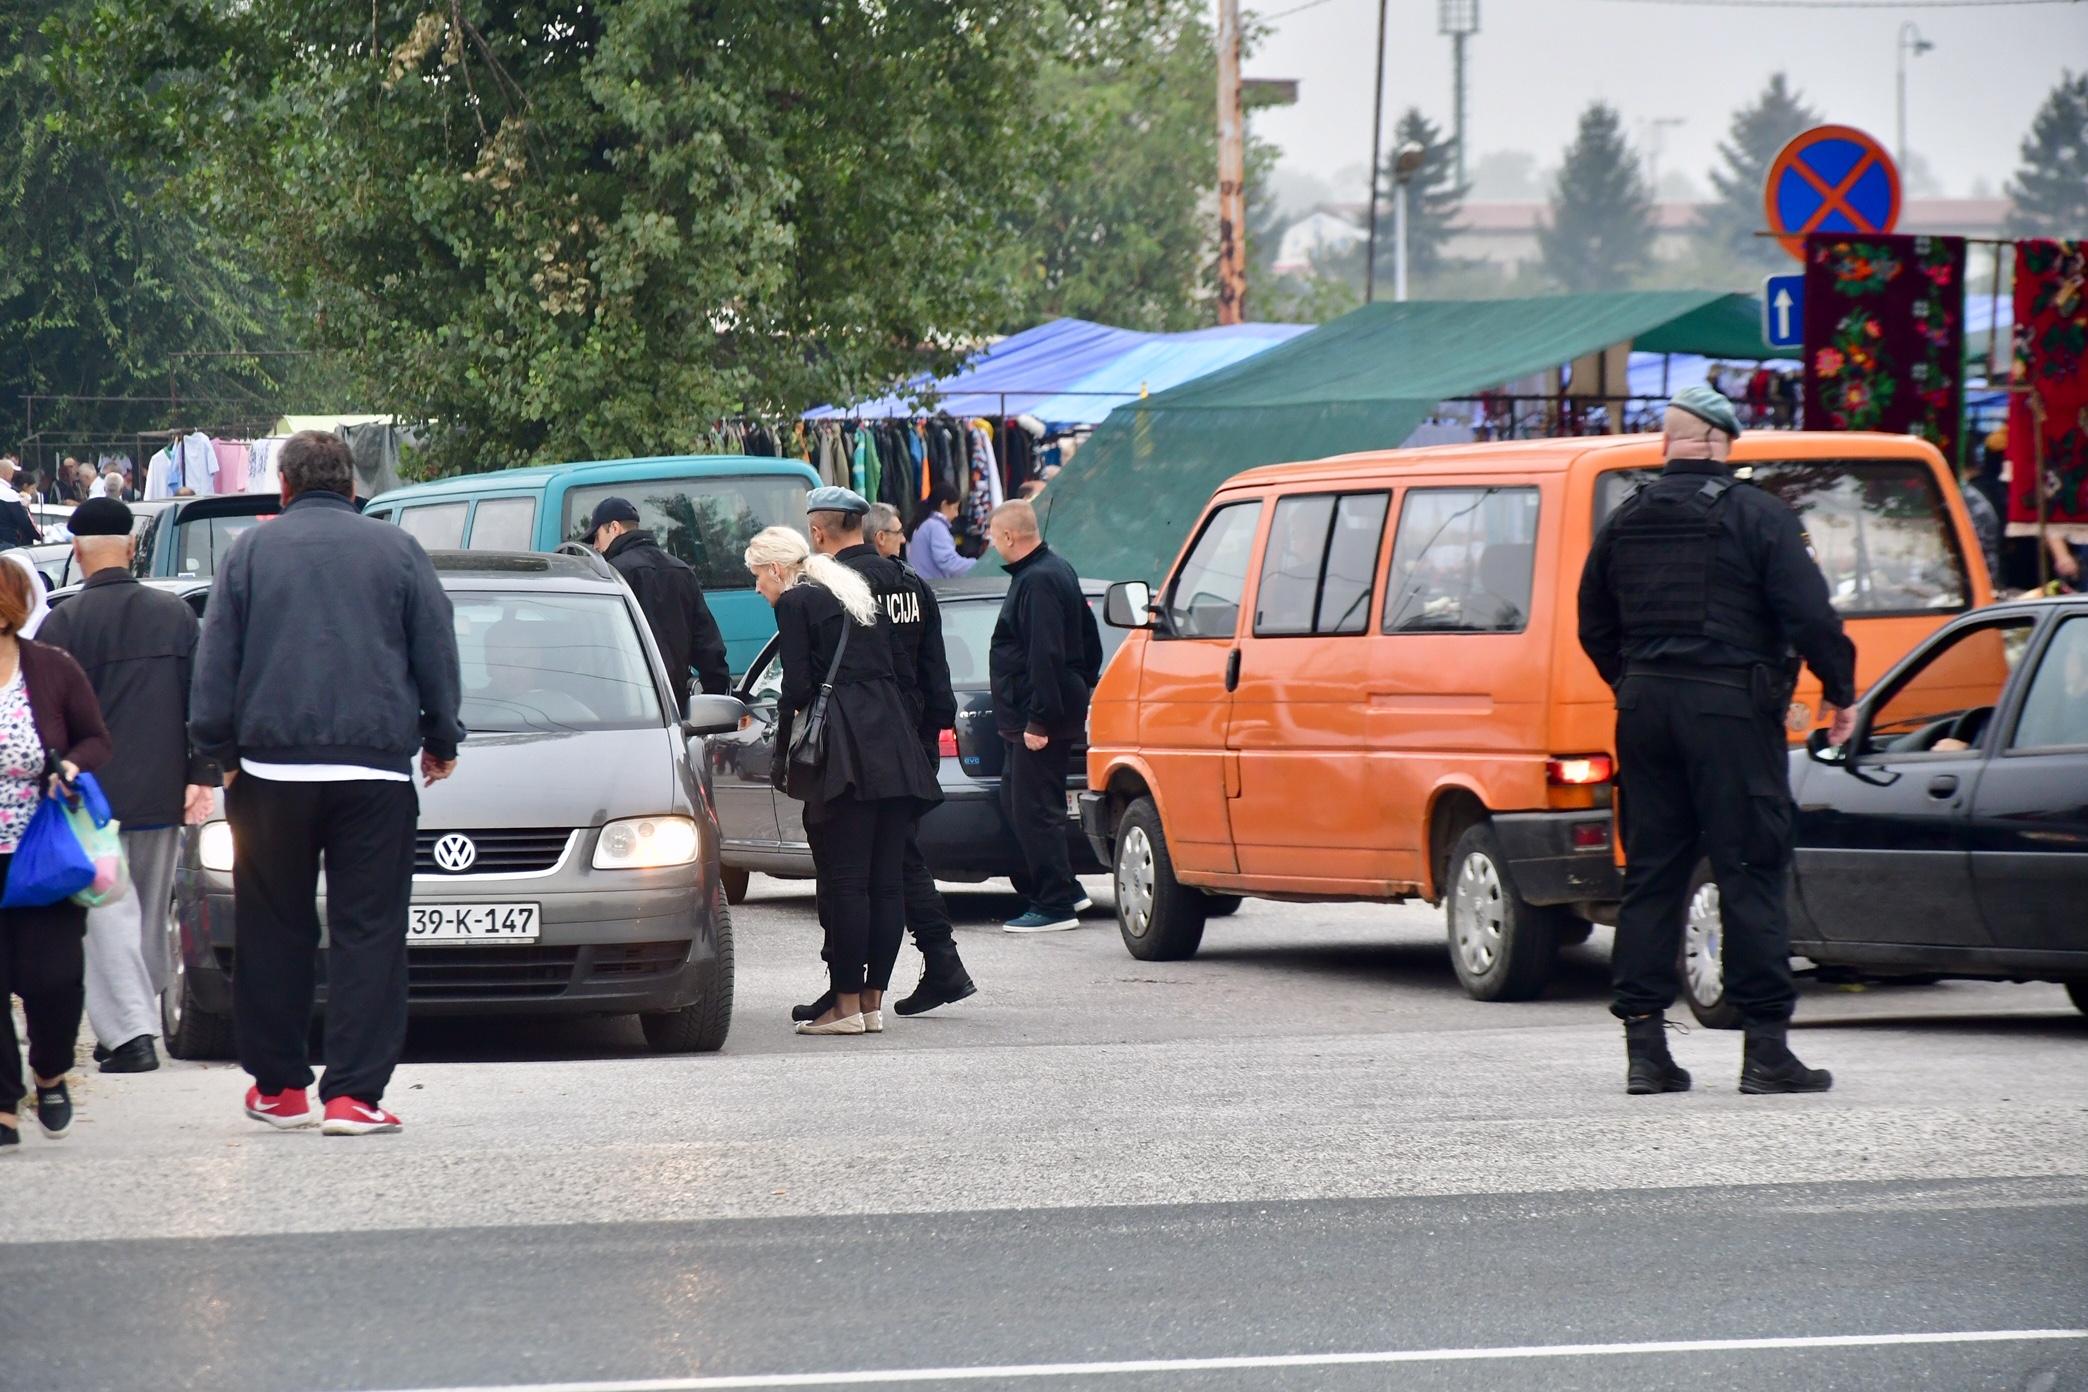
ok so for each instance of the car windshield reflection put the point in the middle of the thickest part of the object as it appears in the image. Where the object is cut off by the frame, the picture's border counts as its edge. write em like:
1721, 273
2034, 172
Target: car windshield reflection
535, 662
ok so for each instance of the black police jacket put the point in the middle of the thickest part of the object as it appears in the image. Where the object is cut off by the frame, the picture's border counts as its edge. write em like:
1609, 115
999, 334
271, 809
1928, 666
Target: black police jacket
920, 664
1047, 652
672, 598
1758, 543
871, 754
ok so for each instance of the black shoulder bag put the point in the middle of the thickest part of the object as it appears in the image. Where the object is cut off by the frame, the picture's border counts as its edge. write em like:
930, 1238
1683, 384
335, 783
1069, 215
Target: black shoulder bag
808, 741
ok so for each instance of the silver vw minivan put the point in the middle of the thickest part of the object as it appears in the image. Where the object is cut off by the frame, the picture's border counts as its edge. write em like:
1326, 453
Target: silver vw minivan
570, 866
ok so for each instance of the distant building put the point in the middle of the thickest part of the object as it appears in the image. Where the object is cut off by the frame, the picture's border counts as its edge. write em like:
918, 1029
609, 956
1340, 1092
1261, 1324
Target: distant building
1317, 234
1505, 234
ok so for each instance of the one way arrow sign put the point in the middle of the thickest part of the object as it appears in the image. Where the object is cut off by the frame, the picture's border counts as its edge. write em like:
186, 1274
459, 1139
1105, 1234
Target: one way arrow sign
1783, 311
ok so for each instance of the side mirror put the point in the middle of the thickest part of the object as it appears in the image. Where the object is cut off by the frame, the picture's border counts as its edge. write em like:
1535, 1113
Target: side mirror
713, 715
1822, 752
1129, 604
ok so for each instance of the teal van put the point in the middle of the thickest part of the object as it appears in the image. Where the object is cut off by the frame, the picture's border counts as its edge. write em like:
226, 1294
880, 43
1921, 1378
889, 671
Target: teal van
702, 508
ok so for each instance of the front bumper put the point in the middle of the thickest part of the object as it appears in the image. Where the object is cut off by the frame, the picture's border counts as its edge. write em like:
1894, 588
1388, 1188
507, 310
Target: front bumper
1549, 867
965, 837
616, 952
1094, 825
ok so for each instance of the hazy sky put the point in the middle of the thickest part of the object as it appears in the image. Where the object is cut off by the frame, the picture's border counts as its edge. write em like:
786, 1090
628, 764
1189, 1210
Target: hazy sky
1536, 63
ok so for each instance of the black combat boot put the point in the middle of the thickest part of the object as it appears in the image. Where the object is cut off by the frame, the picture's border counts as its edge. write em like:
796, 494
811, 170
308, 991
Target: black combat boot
1653, 1068
944, 981
1770, 1066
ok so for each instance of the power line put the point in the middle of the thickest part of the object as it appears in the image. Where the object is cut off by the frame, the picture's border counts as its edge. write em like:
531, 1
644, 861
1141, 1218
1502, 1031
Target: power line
1295, 9
1830, 4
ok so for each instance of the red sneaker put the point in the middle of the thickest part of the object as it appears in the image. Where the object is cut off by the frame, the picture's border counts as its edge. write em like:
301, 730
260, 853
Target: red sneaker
347, 1117
285, 1110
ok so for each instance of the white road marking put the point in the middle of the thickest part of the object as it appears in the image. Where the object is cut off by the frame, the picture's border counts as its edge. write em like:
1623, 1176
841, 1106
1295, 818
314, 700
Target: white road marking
888, 1376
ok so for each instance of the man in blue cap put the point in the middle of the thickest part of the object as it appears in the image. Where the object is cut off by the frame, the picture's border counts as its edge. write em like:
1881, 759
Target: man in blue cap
834, 518
670, 596
1696, 594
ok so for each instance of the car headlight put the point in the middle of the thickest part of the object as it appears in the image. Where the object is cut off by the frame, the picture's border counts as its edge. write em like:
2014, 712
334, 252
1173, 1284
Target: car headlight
647, 843
214, 847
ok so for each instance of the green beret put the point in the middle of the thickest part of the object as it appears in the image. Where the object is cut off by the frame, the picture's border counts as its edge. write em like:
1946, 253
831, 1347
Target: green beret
1709, 407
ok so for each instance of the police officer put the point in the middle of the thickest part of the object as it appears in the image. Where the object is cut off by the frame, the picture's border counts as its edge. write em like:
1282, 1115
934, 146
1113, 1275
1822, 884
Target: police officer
1696, 594
835, 517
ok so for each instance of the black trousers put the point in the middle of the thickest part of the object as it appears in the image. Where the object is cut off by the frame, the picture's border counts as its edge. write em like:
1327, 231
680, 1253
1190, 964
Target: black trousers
857, 849
1033, 798
43, 959
1702, 773
364, 830
927, 916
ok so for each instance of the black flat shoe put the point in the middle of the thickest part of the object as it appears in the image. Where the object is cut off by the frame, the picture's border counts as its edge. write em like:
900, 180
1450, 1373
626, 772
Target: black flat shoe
134, 1056
101, 1055
802, 1013
10, 1139
54, 1111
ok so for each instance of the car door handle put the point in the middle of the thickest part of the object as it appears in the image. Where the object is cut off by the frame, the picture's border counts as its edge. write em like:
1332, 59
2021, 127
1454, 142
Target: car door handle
1943, 785
1232, 670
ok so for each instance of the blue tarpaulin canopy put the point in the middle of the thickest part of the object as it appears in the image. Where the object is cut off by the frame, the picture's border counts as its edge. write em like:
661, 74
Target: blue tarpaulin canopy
1071, 372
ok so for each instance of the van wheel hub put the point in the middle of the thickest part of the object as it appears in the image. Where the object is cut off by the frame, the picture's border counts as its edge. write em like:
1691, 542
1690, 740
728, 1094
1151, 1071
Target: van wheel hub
1703, 939
1479, 911
1134, 881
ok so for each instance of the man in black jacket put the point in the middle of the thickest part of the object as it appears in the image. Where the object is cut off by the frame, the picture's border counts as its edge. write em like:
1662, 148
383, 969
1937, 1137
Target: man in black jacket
1046, 658
922, 668
669, 594
1695, 594
137, 646
328, 658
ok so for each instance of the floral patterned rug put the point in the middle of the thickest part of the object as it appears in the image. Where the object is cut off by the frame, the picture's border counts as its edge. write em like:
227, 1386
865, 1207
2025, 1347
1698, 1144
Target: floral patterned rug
1885, 336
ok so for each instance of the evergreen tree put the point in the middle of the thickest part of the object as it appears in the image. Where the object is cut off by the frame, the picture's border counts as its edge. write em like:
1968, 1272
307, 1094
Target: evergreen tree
2050, 191
1434, 199
1600, 234
1757, 133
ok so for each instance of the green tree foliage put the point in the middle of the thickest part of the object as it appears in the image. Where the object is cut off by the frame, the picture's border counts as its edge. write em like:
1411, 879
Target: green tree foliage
2050, 190
566, 230
1600, 234
106, 276
1727, 227
1434, 199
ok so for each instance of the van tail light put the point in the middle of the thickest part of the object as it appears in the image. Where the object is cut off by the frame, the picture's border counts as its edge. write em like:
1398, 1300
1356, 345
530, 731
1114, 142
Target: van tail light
1579, 770
946, 744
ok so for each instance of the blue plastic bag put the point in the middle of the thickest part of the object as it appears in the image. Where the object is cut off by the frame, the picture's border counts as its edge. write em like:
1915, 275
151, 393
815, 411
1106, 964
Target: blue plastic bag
50, 865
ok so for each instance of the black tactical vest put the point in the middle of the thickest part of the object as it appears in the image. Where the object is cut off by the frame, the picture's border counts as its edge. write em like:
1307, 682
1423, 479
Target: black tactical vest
1676, 575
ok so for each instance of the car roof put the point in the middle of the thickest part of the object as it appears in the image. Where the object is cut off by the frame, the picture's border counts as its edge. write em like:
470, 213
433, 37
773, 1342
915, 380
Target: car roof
181, 587
506, 569
586, 471
1556, 455
996, 585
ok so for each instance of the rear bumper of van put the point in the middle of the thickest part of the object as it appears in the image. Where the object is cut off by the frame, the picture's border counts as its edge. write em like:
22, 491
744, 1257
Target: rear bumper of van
1550, 863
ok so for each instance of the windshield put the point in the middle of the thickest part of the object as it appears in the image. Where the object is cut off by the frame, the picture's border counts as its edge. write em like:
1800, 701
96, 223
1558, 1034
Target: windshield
545, 661
200, 543
706, 522
1877, 528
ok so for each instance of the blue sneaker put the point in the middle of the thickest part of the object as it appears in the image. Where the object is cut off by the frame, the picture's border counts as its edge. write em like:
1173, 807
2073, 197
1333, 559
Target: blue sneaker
1040, 921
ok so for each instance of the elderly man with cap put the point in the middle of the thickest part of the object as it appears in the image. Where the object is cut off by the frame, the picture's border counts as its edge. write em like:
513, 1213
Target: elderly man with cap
137, 646
1697, 593
669, 593
835, 518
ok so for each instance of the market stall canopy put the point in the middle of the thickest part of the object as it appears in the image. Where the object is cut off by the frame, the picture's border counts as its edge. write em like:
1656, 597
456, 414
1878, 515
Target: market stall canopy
1363, 382
1070, 372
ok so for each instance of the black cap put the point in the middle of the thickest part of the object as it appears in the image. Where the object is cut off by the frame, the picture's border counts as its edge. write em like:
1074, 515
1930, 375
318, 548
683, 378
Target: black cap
100, 517
612, 510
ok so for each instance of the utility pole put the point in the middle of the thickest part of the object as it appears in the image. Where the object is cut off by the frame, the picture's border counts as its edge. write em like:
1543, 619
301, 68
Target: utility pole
1459, 19
1377, 135
1406, 163
1910, 41
1232, 171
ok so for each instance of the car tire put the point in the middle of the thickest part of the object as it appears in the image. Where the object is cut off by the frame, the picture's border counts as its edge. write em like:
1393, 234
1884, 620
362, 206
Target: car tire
188, 1031
1501, 947
2077, 991
1222, 905
735, 883
701, 1026
1161, 919
1698, 964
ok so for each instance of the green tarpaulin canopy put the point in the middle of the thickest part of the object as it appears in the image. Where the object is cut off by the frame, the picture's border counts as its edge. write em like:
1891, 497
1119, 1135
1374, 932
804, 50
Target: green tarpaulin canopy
1363, 382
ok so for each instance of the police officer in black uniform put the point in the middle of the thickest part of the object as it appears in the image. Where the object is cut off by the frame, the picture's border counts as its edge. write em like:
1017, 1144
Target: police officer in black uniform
1696, 596
835, 517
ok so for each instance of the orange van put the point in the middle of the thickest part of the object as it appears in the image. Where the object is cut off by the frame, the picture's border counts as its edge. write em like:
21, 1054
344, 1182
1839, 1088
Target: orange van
1362, 679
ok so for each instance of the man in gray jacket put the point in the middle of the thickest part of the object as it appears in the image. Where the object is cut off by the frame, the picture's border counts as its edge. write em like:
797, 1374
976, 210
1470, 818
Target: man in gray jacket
328, 660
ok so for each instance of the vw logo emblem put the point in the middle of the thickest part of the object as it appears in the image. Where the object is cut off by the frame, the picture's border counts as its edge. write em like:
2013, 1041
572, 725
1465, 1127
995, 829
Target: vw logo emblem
455, 853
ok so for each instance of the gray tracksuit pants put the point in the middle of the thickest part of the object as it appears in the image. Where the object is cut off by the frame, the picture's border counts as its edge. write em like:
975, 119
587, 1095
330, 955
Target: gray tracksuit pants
127, 943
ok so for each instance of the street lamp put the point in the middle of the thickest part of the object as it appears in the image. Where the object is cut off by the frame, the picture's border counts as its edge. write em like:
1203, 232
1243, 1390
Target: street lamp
1910, 42
1406, 163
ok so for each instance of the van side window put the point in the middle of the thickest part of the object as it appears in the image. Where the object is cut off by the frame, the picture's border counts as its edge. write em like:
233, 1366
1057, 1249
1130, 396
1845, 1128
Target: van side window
1462, 561
436, 526
1320, 565
504, 524
1205, 600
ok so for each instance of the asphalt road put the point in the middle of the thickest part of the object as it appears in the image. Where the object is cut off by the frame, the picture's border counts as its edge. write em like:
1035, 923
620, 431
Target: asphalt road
1303, 1160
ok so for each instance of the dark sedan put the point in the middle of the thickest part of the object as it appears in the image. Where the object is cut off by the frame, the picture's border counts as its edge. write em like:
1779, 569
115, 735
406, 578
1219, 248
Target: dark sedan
1949, 837
965, 838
